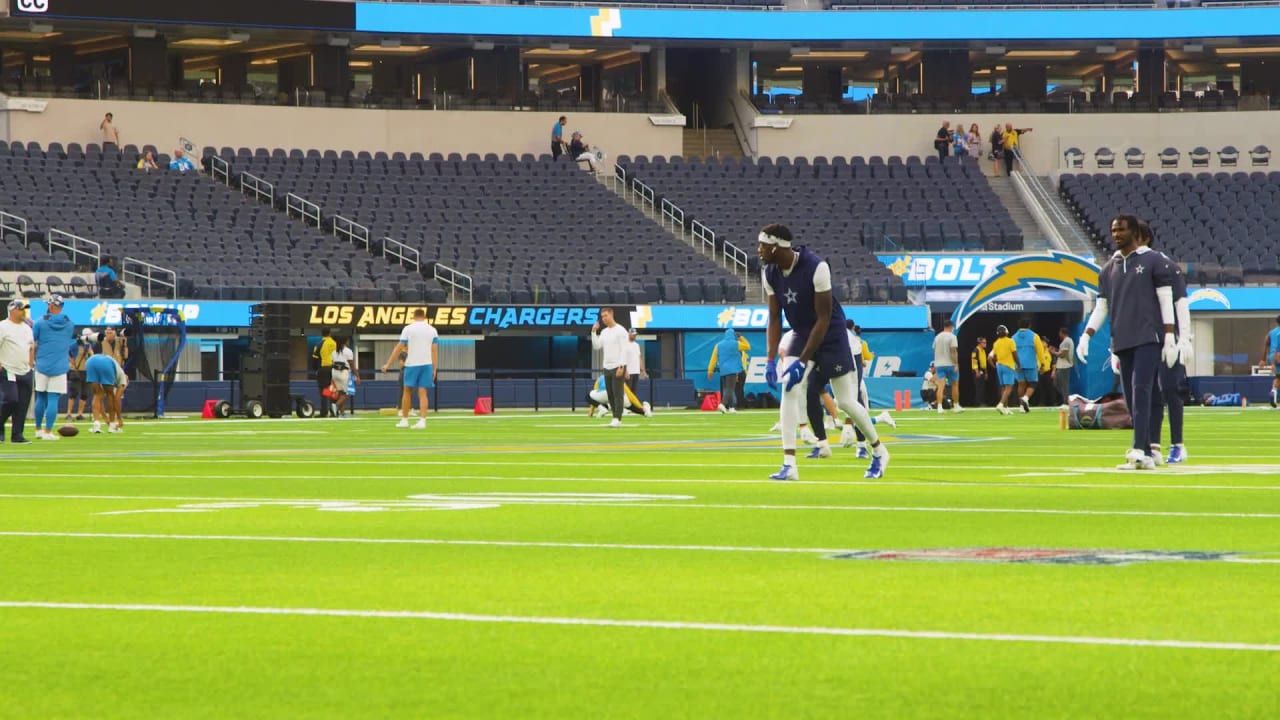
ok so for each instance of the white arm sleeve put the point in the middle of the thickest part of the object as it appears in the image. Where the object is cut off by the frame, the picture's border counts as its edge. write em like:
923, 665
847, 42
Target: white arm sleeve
1182, 308
1098, 316
1165, 296
822, 278
768, 290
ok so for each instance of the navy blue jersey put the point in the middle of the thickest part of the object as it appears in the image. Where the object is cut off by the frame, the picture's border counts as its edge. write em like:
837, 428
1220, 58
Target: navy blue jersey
1129, 286
795, 296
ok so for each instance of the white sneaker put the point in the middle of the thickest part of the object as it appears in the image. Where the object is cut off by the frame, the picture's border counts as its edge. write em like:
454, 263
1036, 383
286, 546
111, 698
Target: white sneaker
648, 411
847, 438
41, 434
957, 409
722, 409
776, 427
614, 423
1136, 460
884, 418
114, 429
941, 409
404, 422
97, 427
1156, 456
732, 410
807, 437
420, 425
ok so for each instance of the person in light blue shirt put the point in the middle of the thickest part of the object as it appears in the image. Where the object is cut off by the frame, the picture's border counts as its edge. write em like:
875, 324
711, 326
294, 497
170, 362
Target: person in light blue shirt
54, 335
181, 162
557, 137
727, 359
1028, 344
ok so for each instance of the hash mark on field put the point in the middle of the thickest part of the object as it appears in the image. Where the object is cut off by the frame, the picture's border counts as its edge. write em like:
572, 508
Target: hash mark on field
653, 625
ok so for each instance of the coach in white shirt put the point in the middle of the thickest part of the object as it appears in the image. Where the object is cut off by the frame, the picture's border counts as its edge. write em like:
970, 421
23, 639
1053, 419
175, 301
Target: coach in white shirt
418, 345
612, 342
17, 357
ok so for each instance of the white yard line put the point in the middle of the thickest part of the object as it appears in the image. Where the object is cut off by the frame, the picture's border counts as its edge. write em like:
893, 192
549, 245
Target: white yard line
696, 506
652, 625
481, 543
704, 481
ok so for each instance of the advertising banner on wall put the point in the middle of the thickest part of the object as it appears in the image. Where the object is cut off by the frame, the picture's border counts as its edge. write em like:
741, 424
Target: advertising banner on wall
313, 14
893, 352
99, 313
386, 317
756, 317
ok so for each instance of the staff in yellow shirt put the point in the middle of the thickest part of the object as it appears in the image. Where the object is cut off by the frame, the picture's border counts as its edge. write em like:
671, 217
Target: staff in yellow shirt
1004, 355
324, 375
1012, 139
978, 363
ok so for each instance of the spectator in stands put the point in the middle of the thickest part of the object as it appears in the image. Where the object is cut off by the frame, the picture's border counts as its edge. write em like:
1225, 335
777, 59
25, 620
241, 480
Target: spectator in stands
997, 148
579, 152
148, 161
974, 142
1011, 141
960, 141
557, 137
943, 140
110, 134
182, 162
109, 284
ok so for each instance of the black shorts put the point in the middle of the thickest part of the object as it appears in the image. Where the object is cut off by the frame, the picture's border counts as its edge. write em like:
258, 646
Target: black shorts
77, 388
832, 360
324, 377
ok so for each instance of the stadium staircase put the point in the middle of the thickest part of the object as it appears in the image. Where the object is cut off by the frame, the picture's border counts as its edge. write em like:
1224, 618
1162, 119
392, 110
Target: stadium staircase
712, 143
1033, 238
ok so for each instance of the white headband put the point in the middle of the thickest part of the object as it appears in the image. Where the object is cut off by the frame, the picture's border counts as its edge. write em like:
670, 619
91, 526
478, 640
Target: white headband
766, 239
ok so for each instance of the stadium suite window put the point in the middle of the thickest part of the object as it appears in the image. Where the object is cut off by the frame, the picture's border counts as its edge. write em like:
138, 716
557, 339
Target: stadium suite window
1237, 343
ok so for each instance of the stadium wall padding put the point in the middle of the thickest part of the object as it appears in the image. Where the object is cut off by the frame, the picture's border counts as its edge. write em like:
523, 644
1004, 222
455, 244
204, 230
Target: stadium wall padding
444, 131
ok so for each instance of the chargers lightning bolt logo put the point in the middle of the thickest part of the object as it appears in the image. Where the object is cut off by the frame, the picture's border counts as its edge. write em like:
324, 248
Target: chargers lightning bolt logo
605, 22
1053, 269
1209, 295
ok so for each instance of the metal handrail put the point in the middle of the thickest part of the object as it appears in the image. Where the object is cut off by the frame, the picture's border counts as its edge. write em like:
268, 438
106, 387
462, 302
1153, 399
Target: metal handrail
408, 257
220, 169
250, 183
457, 282
76, 245
352, 230
147, 276
673, 214
14, 224
704, 238
1043, 197
735, 259
306, 210
643, 196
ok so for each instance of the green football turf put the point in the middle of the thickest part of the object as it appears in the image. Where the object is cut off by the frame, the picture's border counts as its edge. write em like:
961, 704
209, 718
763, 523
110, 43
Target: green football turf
543, 566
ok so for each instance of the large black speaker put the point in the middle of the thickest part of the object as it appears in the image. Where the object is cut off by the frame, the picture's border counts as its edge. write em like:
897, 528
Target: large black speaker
265, 370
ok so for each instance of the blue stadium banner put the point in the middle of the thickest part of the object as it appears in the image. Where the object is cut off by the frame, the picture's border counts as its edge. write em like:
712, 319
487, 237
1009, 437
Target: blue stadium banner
885, 25
748, 317
387, 316
195, 313
1234, 299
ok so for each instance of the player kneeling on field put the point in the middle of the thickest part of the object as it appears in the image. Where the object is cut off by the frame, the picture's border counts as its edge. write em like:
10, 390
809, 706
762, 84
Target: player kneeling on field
598, 397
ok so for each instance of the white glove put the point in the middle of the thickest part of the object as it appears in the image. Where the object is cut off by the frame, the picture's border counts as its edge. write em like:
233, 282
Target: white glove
1185, 351
1115, 362
1082, 348
1169, 353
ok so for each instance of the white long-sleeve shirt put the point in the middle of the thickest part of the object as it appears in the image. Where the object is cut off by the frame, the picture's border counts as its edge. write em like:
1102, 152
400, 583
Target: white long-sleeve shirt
612, 341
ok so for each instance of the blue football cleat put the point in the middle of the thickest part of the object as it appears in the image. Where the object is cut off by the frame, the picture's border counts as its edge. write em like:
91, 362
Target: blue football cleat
879, 463
1177, 455
819, 453
862, 453
788, 472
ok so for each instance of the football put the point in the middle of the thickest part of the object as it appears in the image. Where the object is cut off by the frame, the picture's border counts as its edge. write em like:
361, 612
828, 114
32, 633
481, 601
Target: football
68, 431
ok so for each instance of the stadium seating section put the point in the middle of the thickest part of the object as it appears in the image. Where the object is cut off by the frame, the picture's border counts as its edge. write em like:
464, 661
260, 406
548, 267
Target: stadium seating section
526, 229
1223, 227
221, 244
845, 210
